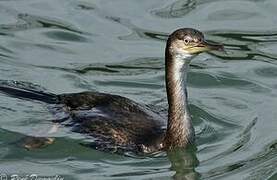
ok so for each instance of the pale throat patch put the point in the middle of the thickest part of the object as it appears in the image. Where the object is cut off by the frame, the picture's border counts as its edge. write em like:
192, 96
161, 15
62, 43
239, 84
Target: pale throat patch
182, 61
181, 66
183, 55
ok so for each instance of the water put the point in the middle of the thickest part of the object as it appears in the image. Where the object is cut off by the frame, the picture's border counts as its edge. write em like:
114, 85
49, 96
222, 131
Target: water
117, 47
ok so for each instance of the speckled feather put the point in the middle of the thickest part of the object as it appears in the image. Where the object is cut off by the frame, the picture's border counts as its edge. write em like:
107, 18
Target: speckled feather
115, 120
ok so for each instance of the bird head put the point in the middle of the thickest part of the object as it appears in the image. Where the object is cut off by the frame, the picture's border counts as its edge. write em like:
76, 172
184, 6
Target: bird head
187, 42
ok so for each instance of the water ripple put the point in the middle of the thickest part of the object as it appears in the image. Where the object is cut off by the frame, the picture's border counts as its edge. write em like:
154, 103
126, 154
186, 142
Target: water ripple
54, 43
262, 160
27, 21
176, 9
65, 36
137, 32
130, 67
245, 45
269, 72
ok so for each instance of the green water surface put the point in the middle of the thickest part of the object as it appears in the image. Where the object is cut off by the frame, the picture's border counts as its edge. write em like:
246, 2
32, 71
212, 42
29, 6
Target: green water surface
117, 46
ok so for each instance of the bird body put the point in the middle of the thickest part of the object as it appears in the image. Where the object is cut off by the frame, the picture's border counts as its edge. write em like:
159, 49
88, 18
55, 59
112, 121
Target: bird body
117, 123
120, 124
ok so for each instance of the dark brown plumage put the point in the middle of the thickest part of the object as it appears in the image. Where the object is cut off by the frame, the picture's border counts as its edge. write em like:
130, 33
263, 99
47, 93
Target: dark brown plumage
118, 123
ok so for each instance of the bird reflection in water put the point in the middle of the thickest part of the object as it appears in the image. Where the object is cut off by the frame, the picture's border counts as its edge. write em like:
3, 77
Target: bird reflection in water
183, 162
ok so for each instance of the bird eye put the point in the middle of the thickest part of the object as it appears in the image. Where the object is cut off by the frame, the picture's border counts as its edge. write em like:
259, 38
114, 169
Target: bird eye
186, 41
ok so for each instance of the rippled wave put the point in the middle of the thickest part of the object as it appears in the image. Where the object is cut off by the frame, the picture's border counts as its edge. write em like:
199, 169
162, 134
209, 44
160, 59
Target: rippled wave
118, 47
176, 10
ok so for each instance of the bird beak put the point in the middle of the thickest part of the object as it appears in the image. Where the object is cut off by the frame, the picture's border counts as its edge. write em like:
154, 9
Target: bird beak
206, 46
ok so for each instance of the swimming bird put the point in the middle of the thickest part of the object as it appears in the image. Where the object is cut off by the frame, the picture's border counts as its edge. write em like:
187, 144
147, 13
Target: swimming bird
119, 123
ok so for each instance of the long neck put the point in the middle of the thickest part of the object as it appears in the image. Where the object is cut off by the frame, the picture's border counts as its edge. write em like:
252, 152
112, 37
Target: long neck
179, 128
